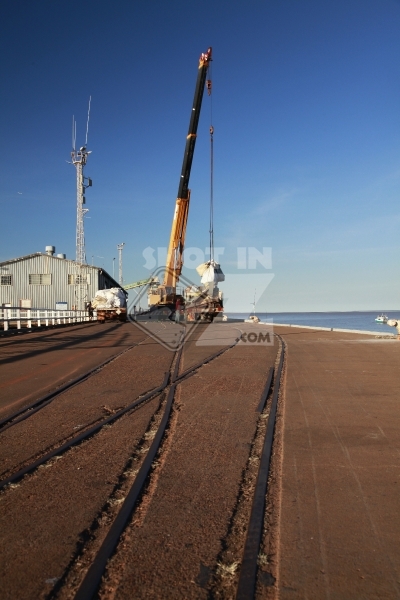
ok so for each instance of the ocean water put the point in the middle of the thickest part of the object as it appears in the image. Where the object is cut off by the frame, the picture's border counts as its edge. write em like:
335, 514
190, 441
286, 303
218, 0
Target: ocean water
360, 321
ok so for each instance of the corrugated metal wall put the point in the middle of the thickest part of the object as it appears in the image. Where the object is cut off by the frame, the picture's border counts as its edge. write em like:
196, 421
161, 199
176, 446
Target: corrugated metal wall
46, 296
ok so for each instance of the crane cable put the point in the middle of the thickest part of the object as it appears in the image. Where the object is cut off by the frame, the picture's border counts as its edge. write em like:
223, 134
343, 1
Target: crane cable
209, 86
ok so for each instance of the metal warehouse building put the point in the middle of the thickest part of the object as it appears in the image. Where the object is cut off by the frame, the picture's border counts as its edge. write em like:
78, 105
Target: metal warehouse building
49, 281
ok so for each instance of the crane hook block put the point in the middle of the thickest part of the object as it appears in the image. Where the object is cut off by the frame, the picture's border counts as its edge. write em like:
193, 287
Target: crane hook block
209, 86
211, 130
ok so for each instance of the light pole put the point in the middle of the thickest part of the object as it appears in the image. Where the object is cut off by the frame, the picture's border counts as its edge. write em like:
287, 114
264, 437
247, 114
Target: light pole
120, 248
96, 256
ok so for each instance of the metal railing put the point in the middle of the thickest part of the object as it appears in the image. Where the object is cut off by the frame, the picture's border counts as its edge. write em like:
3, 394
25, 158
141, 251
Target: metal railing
16, 318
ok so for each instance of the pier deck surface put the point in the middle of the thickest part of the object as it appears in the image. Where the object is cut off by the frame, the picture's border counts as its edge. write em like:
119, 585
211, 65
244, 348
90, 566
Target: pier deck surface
34, 364
338, 503
333, 528
54, 520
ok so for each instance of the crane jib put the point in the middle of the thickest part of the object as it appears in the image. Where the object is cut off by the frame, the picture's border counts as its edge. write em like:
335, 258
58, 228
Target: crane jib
167, 291
191, 137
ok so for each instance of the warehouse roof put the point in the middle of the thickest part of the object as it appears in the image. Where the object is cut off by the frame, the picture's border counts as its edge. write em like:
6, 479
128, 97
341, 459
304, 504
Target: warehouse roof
37, 254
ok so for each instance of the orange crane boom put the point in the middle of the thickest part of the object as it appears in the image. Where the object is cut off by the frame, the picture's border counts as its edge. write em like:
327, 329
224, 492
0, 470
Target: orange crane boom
166, 293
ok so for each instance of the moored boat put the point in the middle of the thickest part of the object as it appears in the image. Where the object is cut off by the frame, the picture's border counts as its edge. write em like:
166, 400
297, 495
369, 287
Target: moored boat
252, 319
382, 318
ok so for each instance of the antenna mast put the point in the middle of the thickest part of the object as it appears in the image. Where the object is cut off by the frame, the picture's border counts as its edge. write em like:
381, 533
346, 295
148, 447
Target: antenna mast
79, 160
120, 248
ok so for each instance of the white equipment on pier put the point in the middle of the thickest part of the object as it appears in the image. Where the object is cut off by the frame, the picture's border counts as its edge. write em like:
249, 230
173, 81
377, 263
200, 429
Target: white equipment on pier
394, 323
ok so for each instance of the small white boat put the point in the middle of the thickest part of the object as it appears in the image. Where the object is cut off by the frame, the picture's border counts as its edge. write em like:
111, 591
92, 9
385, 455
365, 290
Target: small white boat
252, 319
382, 318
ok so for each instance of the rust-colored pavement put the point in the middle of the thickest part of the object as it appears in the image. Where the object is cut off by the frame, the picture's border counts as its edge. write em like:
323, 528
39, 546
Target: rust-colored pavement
337, 477
332, 525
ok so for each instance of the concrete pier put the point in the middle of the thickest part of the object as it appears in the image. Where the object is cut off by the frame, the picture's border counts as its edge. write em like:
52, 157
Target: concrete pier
331, 525
337, 498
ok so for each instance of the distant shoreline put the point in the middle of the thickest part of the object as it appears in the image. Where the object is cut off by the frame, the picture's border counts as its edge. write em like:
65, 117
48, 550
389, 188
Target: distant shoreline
357, 321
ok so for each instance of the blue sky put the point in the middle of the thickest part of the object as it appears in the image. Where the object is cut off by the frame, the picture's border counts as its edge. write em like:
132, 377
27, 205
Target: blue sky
305, 105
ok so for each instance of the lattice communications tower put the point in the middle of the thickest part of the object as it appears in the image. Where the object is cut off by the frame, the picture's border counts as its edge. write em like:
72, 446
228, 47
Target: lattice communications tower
79, 160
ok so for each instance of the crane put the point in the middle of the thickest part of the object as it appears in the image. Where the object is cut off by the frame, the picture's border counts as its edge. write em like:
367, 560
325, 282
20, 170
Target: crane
141, 283
165, 293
